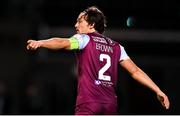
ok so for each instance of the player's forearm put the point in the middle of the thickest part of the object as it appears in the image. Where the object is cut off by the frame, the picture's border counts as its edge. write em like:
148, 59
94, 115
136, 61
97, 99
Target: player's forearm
55, 43
144, 79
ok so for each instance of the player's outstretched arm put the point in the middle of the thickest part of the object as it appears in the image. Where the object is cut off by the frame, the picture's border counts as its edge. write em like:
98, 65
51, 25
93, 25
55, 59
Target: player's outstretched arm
144, 79
52, 43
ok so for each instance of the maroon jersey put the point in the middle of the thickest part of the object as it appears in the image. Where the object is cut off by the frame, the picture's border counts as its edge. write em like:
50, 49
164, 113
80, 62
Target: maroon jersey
98, 70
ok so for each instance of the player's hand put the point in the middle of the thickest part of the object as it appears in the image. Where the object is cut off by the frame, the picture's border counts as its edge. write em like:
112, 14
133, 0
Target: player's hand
163, 100
33, 44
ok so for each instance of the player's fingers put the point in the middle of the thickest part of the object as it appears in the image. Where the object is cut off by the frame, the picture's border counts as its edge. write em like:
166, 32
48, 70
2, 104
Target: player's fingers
30, 46
166, 102
33, 46
29, 41
36, 46
27, 47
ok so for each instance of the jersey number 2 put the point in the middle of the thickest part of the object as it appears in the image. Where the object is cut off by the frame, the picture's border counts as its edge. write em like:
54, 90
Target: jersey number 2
101, 75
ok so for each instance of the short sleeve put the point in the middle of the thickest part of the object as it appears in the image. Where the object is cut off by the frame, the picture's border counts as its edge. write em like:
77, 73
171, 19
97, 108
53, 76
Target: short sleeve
83, 40
123, 55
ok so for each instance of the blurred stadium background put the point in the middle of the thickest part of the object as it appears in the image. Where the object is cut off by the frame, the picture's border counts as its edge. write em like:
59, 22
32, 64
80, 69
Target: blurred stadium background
44, 81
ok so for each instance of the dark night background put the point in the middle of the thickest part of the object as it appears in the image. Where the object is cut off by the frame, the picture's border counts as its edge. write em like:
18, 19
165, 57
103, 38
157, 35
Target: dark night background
44, 81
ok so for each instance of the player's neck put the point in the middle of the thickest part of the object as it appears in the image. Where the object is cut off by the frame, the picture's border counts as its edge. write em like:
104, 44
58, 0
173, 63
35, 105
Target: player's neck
92, 31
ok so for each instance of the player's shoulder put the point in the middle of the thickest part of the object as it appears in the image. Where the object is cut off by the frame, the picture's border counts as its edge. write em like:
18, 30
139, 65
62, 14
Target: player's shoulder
81, 36
111, 42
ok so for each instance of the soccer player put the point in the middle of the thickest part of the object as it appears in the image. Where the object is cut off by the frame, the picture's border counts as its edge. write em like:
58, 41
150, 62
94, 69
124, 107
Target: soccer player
98, 58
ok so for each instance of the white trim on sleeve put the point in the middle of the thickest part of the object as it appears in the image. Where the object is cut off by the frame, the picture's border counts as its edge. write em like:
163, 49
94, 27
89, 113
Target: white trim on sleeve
83, 40
123, 55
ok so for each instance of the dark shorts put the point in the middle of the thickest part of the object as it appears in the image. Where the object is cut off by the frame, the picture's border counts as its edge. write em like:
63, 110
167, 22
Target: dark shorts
93, 108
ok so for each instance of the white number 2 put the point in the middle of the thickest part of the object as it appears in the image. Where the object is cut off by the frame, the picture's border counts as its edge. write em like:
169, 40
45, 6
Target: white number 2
101, 75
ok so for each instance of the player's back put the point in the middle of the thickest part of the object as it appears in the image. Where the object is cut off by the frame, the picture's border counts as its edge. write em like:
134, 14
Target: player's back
97, 70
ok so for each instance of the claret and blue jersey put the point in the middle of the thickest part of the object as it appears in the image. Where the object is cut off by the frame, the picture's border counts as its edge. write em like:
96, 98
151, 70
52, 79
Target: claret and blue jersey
98, 58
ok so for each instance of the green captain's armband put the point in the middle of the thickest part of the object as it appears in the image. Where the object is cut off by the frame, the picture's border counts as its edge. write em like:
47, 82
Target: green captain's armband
74, 43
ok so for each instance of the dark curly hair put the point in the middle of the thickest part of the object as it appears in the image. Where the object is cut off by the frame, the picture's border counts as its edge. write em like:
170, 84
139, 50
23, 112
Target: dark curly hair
94, 16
